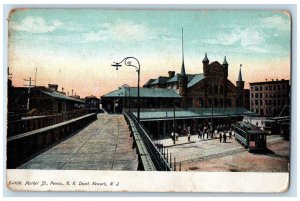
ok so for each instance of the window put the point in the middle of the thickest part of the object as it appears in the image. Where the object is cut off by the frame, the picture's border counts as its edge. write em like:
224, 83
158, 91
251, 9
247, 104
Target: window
229, 102
267, 95
256, 88
266, 102
251, 95
221, 89
221, 103
201, 102
260, 88
215, 89
256, 102
283, 86
216, 102
209, 89
270, 87
260, 102
209, 102
256, 95
279, 87
260, 95
266, 88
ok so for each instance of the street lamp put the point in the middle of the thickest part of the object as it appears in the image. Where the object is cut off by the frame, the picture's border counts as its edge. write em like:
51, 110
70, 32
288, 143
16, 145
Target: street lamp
127, 86
128, 62
174, 122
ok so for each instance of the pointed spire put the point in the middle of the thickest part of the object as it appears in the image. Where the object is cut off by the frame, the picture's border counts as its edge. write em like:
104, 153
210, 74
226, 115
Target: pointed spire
225, 62
205, 58
240, 79
182, 66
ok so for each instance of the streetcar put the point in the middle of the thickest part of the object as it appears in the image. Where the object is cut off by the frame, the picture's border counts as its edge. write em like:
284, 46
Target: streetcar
250, 136
277, 125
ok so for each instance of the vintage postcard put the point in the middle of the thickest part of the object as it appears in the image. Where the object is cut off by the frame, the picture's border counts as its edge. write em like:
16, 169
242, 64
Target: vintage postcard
148, 100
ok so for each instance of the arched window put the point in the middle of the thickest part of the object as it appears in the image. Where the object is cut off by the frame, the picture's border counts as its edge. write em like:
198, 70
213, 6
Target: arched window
209, 102
215, 89
221, 103
202, 89
209, 89
201, 102
221, 89
229, 103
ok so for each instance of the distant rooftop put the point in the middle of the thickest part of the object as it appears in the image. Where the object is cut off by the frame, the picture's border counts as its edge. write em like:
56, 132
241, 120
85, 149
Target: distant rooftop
144, 92
58, 95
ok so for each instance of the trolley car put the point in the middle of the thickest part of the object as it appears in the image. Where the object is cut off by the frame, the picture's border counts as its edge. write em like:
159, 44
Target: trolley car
251, 137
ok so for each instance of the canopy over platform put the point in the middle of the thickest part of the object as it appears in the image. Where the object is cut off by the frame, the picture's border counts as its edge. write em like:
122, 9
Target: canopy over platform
161, 114
144, 93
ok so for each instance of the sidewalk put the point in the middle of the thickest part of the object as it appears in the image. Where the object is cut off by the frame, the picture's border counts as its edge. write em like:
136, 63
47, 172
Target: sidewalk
184, 140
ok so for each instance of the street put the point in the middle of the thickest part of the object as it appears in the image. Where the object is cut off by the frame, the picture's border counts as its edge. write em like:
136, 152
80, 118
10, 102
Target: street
211, 155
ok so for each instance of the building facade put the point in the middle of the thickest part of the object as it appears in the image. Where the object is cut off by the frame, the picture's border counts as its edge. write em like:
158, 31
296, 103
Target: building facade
208, 89
269, 98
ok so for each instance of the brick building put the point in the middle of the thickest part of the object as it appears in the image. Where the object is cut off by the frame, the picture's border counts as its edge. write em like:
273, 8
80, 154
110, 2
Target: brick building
270, 97
208, 89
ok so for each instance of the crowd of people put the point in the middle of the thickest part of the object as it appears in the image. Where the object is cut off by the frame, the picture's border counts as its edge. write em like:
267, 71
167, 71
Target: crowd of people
207, 132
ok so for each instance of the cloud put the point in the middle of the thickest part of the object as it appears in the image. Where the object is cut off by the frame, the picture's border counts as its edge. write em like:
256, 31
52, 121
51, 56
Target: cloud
275, 22
124, 31
246, 37
257, 49
119, 31
95, 36
36, 25
249, 38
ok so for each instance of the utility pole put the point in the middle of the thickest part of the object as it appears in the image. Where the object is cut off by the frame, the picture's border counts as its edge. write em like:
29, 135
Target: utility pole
35, 77
29, 86
9, 74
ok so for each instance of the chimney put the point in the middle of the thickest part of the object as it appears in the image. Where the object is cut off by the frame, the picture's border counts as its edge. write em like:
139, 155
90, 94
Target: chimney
53, 87
171, 74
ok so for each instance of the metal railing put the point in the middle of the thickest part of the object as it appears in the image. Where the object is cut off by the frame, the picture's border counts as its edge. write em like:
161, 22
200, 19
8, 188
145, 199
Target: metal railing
157, 155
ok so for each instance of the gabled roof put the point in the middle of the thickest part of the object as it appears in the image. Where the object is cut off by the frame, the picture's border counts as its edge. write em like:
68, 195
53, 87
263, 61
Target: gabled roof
160, 80
149, 82
144, 92
174, 79
58, 95
197, 78
192, 79
215, 62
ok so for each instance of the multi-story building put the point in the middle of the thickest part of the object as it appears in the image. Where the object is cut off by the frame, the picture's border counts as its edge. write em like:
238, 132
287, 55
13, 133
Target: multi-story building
270, 97
205, 90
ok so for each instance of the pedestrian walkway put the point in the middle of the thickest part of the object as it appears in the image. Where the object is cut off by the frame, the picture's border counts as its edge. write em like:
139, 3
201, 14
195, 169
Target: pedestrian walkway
200, 151
103, 145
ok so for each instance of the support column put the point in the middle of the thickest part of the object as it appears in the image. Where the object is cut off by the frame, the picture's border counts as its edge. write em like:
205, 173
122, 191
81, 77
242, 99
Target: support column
164, 128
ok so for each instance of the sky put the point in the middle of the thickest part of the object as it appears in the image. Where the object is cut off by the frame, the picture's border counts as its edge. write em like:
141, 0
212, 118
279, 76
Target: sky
75, 48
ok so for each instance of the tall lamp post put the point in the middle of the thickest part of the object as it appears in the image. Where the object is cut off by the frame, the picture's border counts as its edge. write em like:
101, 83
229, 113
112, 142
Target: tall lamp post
128, 62
212, 112
127, 86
